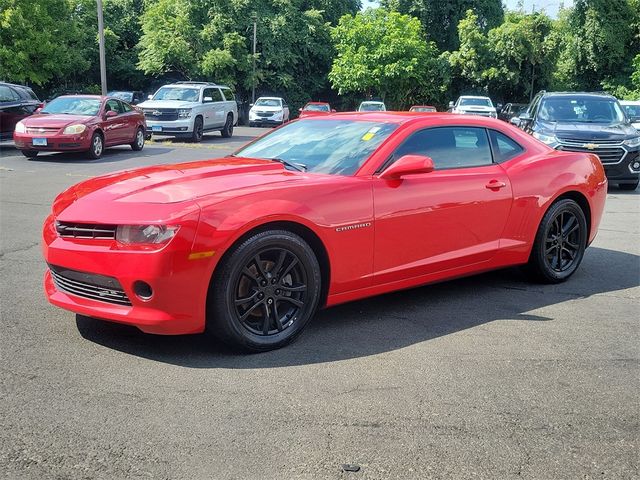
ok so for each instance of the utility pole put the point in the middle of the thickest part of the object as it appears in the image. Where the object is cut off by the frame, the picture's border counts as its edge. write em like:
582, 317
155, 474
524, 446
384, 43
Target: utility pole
254, 17
103, 64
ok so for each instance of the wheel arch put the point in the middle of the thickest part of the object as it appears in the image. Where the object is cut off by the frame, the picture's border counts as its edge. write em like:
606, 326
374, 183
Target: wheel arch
303, 231
582, 202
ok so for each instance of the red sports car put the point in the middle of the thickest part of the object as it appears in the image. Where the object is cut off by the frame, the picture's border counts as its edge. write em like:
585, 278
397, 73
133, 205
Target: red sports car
80, 123
318, 212
313, 109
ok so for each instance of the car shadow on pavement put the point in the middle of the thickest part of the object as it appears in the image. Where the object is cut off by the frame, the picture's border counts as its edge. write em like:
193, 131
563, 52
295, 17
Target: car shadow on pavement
110, 155
387, 322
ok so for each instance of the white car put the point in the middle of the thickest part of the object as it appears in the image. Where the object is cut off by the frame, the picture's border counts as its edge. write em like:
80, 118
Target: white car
268, 111
473, 105
372, 106
188, 109
632, 110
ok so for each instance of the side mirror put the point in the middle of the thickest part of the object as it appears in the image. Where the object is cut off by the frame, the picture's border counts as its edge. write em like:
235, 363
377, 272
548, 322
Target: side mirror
451, 104
38, 110
408, 165
300, 109
251, 104
525, 119
111, 114
515, 121
149, 97
207, 100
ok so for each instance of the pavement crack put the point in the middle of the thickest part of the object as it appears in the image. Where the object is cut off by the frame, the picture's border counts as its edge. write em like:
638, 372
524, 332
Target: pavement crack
20, 249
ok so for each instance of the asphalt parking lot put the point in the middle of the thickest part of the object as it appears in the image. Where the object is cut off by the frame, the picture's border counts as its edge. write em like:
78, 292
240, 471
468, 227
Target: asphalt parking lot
484, 377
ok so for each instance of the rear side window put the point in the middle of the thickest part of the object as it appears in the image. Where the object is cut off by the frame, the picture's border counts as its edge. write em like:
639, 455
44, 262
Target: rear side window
228, 94
215, 94
7, 94
449, 147
125, 107
503, 147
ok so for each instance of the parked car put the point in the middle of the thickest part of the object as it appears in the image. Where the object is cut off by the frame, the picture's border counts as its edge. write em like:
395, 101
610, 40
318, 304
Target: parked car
77, 123
587, 122
133, 98
511, 110
474, 105
268, 111
423, 108
189, 109
16, 102
632, 110
372, 106
321, 211
315, 108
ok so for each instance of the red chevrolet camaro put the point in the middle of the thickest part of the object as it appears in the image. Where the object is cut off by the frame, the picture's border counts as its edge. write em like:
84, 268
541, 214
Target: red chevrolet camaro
80, 123
318, 212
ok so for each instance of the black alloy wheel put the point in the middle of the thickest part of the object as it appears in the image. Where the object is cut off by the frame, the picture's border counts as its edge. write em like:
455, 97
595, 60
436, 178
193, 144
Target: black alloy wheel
265, 292
198, 130
560, 242
227, 131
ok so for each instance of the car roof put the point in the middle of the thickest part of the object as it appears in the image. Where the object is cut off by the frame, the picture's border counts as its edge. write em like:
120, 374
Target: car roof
473, 96
426, 106
317, 103
404, 117
579, 94
269, 98
81, 95
371, 101
629, 102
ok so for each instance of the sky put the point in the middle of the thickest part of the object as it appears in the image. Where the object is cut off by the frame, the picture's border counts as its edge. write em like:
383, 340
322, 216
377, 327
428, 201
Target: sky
549, 6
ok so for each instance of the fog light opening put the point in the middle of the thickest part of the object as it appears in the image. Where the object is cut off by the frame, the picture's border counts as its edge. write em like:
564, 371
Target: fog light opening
635, 166
142, 290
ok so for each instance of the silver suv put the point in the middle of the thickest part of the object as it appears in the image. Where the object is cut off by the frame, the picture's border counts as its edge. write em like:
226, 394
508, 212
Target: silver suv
188, 109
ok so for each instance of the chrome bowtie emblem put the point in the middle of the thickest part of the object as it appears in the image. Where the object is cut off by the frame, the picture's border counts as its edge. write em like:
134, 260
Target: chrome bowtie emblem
591, 146
157, 113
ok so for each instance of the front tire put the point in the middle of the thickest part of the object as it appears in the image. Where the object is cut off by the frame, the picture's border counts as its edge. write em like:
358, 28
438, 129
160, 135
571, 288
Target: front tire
227, 131
97, 146
198, 130
30, 153
138, 142
264, 292
560, 243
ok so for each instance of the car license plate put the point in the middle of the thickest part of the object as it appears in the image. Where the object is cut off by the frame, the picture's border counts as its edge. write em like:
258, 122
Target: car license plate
39, 142
156, 128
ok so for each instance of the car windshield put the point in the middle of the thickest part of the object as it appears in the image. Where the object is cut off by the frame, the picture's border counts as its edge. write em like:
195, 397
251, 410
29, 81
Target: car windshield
317, 108
268, 102
371, 107
581, 110
632, 111
177, 93
73, 106
126, 96
423, 109
476, 102
337, 147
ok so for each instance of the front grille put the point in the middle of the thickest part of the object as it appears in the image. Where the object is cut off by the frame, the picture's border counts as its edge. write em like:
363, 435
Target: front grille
606, 154
582, 141
89, 285
162, 114
42, 130
85, 230
265, 114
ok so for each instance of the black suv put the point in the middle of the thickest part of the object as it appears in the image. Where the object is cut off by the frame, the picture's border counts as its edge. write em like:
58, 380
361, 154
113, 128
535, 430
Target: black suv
16, 103
587, 122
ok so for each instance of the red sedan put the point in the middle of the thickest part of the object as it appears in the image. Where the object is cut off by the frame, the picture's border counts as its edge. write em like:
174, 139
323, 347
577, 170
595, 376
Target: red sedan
313, 109
80, 123
423, 108
318, 212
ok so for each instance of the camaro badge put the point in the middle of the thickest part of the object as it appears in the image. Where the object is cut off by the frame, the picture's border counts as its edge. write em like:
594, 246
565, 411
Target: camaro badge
591, 146
353, 227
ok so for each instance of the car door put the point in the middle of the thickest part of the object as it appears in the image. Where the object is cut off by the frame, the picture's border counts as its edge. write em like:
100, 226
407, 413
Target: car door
130, 118
449, 218
115, 128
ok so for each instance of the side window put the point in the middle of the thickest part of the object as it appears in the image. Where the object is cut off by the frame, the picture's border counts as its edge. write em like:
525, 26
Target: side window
114, 105
228, 94
125, 107
503, 147
207, 92
216, 95
7, 94
449, 147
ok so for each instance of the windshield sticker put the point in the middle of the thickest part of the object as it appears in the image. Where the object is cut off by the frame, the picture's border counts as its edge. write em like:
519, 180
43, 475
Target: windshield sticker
370, 134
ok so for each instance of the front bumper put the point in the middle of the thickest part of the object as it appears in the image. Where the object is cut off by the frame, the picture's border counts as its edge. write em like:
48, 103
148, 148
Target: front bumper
54, 143
174, 127
623, 168
179, 283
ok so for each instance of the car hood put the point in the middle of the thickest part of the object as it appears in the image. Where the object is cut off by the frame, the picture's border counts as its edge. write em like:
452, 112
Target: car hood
171, 184
57, 120
167, 104
591, 131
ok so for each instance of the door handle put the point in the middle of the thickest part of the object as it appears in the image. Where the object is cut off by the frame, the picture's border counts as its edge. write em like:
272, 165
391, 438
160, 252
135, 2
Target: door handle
495, 185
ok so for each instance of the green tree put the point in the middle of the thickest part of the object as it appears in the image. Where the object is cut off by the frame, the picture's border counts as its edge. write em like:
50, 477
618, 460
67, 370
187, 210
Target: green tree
384, 53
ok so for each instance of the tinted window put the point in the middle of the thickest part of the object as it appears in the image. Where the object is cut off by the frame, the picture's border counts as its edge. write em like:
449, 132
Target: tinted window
503, 147
228, 94
216, 95
449, 147
582, 110
7, 94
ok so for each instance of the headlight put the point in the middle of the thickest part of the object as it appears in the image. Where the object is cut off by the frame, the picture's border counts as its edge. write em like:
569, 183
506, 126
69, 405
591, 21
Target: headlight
145, 234
184, 113
278, 113
74, 129
20, 128
493, 115
548, 139
632, 142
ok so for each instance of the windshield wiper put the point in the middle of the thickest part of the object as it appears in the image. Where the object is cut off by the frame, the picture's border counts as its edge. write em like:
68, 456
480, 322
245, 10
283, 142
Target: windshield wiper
300, 167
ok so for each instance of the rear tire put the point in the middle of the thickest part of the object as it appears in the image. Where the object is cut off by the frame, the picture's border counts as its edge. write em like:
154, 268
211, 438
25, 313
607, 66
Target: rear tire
30, 153
227, 131
198, 130
264, 292
629, 186
559, 244
138, 141
97, 146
